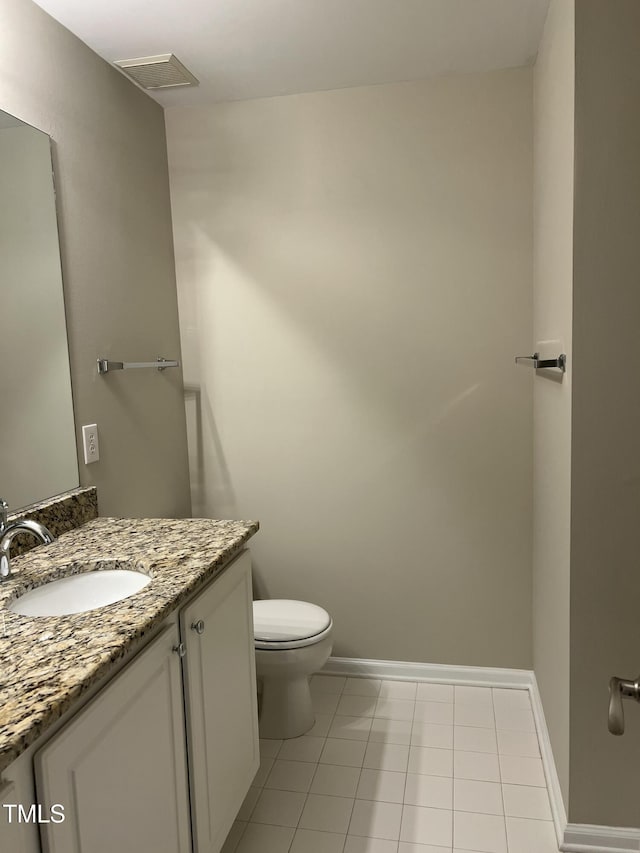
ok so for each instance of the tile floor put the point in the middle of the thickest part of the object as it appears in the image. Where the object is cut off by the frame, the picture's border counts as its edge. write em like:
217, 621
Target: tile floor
402, 767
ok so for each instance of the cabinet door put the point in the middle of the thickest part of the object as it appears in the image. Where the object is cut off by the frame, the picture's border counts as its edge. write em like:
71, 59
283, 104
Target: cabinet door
16, 789
119, 767
222, 716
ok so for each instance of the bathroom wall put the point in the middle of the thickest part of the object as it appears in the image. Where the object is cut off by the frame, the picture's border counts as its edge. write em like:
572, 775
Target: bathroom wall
605, 511
117, 256
552, 320
354, 278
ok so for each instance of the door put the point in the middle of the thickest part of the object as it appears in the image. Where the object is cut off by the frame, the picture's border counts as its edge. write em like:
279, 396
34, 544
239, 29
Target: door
119, 767
220, 690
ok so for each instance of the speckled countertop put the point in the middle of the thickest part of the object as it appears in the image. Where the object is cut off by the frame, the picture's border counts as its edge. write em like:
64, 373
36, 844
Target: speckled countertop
46, 663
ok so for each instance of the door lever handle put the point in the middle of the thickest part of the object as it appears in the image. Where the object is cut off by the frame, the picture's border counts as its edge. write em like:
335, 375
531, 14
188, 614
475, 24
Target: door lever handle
619, 689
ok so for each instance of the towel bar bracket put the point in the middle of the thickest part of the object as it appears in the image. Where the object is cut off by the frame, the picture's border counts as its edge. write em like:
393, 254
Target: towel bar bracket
537, 363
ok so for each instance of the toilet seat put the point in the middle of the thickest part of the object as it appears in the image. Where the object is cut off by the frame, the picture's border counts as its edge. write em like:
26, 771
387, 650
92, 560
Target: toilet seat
285, 624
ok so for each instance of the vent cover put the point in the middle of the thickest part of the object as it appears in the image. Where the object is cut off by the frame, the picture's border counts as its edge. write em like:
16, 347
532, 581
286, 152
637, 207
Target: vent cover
157, 72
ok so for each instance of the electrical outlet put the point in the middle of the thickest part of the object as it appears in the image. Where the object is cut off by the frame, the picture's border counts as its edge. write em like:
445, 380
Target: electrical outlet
90, 443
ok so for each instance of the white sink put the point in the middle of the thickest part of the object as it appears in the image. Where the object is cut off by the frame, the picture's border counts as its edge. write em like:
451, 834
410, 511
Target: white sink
80, 592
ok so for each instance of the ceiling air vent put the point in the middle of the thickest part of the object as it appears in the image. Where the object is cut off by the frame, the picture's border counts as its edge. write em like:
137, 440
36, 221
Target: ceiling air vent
157, 72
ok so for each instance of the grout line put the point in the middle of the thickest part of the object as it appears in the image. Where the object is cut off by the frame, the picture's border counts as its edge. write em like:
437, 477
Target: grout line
317, 763
504, 811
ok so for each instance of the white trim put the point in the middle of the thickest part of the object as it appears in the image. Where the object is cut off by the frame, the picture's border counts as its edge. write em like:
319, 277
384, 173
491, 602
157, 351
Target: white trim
558, 810
475, 676
572, 838
586, 838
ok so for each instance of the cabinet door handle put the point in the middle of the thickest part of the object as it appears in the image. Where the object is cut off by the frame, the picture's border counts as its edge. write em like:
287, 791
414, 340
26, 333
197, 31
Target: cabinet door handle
198, 626
180, 650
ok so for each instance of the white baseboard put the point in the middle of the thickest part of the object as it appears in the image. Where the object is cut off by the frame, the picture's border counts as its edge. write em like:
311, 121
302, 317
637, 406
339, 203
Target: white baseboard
558, 810
584, 838
474, 676
572, 838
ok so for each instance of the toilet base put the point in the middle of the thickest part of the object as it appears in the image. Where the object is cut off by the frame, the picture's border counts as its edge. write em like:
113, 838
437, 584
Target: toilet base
285, 709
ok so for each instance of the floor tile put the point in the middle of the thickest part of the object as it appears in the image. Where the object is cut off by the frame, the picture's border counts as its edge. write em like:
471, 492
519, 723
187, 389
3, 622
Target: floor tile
263, 771
280, 808
482, 797
383, 785
233, 839
515, 719
291, 776
395, 709
350, 728
474, 715
358, 844
349, 753
473, 695
327, 814
430, 734
335, 780
249, 803
312, 841
474, 739
269, 748
433, 762
390, 731
526, 801
482, 766
435, 693
426, 826
260, 838
325, 703
531, 836
481, 832
356, 706
305, 748
436, 792
434, 712
321, 726
362, 686
518, 743
386, 756
511, 698
376, 820
328, 683
520, 770
398, 690
401, 767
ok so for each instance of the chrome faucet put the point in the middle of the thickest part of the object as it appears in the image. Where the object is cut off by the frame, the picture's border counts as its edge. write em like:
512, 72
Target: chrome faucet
10, 529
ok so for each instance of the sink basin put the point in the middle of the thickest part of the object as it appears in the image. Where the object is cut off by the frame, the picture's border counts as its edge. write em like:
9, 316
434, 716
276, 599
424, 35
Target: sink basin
80, 592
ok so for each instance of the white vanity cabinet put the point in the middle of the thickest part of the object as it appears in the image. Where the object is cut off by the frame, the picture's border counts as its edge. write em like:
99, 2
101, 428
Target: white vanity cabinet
119, 766
17, 787
220, 701
162, 757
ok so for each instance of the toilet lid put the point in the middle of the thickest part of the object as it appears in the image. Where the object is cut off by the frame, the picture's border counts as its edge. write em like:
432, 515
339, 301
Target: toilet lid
282, 620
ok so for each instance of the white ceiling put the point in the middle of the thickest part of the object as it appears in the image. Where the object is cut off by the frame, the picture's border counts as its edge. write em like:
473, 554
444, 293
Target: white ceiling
258, 48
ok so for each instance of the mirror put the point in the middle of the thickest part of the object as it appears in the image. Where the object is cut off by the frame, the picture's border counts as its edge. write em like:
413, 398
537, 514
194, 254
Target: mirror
37, 433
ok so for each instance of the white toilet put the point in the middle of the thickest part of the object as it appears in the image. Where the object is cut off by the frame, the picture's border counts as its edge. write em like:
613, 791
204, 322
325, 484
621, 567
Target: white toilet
292, 641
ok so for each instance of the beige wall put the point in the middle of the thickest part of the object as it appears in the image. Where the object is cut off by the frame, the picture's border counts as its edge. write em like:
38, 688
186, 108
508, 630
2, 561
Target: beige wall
111, 176
552, 319
605, 523
354, 278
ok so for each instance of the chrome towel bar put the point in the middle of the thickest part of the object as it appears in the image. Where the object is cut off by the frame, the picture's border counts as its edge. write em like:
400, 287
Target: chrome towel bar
536, 362
105, 366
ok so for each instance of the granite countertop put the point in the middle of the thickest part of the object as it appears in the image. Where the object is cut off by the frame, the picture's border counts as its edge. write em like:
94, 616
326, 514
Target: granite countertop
46, 663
